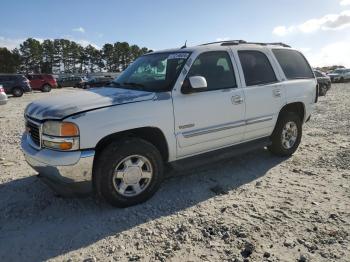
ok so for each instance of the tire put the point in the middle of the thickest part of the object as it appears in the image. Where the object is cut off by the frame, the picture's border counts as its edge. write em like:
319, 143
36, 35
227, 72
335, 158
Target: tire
46, 88
114, 157
278, 147
17, 92
323, 90
341, 80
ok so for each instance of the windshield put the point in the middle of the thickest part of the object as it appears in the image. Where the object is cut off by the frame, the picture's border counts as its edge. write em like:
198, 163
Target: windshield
154, 72
339, 71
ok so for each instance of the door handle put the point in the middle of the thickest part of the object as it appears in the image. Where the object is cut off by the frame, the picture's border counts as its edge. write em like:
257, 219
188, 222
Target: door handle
276, 93
236, 100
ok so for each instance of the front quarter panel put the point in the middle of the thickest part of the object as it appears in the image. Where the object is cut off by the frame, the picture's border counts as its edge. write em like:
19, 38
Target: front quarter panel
97, 124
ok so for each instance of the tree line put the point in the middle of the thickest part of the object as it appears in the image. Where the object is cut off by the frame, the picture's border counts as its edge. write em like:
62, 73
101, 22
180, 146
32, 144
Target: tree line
66, 56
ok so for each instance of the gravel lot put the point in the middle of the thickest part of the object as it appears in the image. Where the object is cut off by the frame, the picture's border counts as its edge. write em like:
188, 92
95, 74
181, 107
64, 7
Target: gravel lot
255, 207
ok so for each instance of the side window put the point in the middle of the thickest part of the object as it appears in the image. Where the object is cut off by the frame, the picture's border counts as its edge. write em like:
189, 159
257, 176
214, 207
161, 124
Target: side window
256, 68
293, 63
318, 74
217, 69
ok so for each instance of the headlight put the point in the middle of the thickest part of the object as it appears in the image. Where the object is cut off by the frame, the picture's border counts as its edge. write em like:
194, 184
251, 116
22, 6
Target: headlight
56, 128
60, 135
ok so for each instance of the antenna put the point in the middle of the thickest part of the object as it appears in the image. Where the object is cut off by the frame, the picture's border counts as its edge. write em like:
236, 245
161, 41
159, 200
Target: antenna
185, 45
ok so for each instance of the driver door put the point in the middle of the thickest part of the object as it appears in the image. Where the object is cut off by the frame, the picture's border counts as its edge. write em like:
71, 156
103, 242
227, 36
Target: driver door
212, 118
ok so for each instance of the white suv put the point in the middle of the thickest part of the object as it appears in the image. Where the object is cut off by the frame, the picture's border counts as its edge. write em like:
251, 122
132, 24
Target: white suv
169, 107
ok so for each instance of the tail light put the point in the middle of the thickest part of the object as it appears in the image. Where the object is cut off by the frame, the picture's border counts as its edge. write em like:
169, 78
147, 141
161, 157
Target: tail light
2, 90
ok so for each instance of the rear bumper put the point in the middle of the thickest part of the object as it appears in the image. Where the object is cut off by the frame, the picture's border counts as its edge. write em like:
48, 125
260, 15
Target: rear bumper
68, 173
3, 99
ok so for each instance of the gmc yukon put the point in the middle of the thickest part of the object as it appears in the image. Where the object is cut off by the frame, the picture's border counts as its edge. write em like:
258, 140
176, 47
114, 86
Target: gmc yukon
168, 107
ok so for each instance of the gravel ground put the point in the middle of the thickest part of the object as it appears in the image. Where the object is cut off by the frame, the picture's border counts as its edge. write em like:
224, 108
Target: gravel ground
254, 207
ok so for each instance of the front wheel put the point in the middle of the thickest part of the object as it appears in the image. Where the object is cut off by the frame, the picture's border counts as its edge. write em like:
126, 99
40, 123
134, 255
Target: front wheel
323, 90
128, 172
287, 135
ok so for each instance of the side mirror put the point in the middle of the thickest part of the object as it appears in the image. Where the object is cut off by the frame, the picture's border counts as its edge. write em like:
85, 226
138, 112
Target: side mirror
194, 84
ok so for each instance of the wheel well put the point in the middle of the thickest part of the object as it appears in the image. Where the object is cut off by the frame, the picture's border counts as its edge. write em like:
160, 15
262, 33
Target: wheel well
297, 107
151, 134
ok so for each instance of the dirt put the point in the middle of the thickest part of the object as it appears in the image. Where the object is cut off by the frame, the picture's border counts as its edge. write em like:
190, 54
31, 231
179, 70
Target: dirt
254, 207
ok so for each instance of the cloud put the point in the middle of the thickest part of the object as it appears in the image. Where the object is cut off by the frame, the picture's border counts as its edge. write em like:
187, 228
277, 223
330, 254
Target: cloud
345, 2
337, 53
222, 39
79, 29
327, 22
10, 43
85, 43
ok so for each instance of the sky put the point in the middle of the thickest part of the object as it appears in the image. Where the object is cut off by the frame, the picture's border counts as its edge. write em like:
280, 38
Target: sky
319, 28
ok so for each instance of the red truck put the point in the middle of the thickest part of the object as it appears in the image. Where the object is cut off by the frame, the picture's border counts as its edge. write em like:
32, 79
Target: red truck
42, 82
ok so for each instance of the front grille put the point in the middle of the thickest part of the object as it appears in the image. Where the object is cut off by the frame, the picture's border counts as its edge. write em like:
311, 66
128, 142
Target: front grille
34, 132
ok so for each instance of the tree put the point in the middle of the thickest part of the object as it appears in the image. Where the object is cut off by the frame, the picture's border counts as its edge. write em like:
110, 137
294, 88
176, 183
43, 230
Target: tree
32, 56
66, 56
48, 56
107, 55
94, 58
9, 61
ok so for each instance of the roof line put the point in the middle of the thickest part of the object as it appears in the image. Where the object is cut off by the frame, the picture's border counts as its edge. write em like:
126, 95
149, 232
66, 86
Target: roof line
238, 42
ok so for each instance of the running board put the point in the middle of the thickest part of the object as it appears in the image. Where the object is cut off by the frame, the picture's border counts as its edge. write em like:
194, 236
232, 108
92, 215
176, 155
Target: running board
220, 154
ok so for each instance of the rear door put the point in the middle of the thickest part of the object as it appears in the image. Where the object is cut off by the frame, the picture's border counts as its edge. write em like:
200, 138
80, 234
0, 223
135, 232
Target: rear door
36, 81
264, 94
298, 78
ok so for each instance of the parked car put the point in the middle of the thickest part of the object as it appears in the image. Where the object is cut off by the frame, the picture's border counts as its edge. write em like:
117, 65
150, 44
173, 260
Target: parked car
73, 81
340, 75
324, 82
170, 108
95, 82
42, 82
15, 84
3, 96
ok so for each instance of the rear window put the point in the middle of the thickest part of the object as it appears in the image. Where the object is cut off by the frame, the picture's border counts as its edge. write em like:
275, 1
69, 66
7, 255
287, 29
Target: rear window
256, 68
293, 63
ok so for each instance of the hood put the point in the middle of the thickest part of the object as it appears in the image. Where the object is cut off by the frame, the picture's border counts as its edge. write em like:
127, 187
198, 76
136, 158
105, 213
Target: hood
61, 106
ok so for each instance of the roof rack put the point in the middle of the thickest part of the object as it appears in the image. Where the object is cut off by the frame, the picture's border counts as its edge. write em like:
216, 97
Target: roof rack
231, 42
238, 42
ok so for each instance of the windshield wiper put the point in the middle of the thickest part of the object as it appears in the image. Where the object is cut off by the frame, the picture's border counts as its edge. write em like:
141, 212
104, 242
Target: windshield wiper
133, 84
116, 84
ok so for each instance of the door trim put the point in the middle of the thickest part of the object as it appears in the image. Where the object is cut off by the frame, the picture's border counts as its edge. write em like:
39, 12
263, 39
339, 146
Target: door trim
222, 127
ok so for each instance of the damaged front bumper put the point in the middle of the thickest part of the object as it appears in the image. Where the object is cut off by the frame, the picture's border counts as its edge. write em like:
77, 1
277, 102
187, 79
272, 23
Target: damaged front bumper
68, 173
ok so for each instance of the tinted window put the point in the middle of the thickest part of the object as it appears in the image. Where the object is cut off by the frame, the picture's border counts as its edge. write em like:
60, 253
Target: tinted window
293, 63
256, 68
217, 69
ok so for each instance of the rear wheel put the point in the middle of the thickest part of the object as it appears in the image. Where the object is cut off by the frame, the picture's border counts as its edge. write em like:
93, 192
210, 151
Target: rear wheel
287, 135
17, 92
341, 80
46, 88
128, 172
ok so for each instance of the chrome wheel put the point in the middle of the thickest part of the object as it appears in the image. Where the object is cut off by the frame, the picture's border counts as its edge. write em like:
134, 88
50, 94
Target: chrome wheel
289, 135
132, 175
